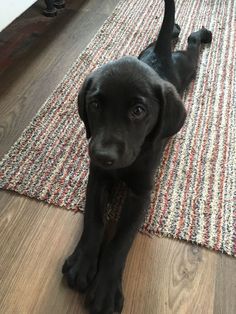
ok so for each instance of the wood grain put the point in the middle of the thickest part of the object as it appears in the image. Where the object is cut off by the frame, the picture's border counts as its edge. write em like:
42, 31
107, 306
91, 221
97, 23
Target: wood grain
169, 277
161, 276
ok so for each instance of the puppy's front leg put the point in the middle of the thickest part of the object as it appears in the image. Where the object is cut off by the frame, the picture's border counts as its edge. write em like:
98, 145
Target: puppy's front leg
81, 267
105, 295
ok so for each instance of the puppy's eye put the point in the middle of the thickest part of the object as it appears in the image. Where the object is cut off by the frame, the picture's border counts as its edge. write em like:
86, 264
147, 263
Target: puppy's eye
137, 112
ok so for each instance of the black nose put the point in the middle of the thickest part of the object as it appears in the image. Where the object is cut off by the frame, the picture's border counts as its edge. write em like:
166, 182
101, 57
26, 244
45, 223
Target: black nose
105, 158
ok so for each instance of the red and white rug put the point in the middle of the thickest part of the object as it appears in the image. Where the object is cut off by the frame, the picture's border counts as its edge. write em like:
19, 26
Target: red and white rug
195, 192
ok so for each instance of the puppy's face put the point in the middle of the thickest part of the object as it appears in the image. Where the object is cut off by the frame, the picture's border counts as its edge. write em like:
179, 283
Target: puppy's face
121, 104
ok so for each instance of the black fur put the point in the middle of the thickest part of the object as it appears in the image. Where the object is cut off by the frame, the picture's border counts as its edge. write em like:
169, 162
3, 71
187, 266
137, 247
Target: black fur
130, 107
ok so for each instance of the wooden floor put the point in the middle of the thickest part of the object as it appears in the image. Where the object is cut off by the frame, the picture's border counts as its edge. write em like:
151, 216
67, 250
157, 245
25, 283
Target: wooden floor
161, 276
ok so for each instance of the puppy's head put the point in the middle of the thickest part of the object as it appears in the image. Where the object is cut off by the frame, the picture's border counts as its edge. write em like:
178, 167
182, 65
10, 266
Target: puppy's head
123, 104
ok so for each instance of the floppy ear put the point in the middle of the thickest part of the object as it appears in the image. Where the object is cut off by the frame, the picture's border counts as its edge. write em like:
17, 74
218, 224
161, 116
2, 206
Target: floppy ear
82, 105
172, 113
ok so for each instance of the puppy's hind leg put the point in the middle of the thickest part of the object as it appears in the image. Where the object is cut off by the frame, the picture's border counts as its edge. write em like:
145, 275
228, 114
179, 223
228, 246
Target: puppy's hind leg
176, 31
185, 62
203, 36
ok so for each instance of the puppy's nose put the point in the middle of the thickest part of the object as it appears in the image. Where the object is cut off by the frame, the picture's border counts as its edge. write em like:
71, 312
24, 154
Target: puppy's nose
105, 158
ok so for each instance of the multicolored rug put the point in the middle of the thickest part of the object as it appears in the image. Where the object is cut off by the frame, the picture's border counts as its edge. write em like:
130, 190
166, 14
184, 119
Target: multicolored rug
195, 191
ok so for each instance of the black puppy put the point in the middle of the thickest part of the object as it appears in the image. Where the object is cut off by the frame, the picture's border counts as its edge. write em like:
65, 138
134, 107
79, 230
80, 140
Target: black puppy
130, 107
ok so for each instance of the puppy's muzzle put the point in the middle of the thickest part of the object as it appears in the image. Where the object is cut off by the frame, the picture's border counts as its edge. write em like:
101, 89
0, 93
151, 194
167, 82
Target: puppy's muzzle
105, 158
105, 155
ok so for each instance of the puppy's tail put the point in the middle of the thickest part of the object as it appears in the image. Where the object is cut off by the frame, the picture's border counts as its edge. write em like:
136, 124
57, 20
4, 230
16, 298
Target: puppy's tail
163, 43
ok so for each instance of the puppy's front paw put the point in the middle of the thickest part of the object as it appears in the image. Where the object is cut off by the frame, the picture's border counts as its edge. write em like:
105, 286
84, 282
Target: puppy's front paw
80, 269
105, 295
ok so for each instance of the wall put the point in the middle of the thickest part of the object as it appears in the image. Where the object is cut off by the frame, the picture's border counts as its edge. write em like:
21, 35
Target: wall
11, 9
